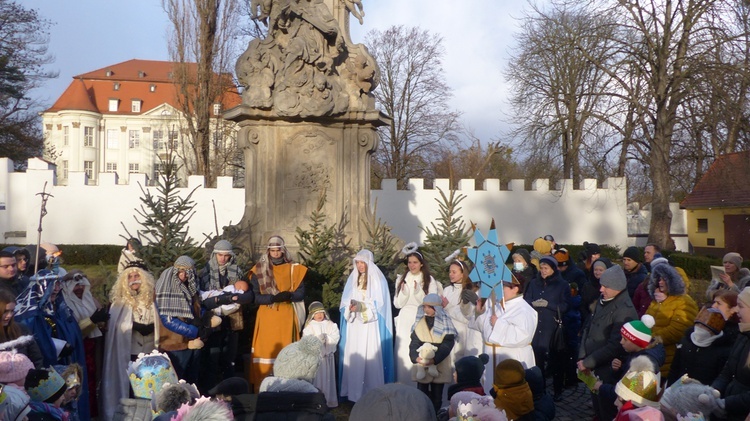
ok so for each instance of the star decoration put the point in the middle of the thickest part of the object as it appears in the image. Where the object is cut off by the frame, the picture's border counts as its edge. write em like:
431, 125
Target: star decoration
489, 258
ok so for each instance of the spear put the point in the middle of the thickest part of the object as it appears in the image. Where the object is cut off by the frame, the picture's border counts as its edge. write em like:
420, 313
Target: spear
42, 213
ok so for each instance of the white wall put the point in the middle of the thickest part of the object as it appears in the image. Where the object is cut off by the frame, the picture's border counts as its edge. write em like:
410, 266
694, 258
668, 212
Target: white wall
83, 214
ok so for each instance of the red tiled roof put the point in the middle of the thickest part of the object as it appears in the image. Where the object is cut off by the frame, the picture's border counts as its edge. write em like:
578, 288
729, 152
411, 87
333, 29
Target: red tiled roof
725, 184
134, 79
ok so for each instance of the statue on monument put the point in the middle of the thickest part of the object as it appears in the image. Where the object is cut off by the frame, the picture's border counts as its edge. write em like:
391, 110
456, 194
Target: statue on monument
304, 67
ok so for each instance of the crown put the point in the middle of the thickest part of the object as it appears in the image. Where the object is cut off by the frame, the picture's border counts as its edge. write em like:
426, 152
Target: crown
149, 373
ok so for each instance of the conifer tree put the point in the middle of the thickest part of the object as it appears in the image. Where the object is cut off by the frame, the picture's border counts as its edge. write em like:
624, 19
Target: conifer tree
325, 250
444, 238
163, 218
383, 245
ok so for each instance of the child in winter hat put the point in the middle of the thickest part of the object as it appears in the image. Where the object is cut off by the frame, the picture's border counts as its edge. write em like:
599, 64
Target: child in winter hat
637, 332
468, 375
511, 391
13, 368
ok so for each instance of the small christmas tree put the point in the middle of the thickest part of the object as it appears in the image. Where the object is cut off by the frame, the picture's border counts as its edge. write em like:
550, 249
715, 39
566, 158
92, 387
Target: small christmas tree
325, 251
443, 239
382, 244
164, 218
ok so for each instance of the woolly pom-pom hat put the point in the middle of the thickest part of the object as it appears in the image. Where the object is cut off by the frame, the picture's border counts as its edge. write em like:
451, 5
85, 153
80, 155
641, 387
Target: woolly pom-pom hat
542, 246
44, 385
712, 319
633, 253
640, 385
13, 367
614, 278
469, 369
733, 258
299, 360
639, 331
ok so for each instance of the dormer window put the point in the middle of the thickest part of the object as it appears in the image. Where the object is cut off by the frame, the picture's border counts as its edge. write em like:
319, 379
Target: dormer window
141, 74
135, 106
152, 88
117, 86
113, 104
109, 73
217, 109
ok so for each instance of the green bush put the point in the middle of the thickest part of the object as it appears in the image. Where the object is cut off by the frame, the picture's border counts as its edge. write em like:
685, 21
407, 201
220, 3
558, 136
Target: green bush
610, 252
85, 254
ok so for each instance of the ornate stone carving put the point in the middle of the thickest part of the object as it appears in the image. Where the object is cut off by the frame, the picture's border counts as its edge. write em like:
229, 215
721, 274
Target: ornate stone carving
76, 124
305, 67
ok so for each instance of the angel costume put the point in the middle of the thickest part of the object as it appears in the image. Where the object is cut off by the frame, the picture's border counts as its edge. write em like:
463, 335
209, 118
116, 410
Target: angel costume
366, 348
409, 300
510, 337
469, 341
328, 333
129, 307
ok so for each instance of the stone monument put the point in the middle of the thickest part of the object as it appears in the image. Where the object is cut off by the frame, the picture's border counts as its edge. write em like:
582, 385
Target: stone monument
307, 121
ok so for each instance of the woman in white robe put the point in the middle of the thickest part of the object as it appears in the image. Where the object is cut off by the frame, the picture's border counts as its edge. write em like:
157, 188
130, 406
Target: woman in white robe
507, 328
411, 288
130, 331
320, 325
469, 341
366, 346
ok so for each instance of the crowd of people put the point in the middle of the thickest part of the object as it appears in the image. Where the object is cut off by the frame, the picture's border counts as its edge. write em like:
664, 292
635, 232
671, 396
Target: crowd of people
630, 332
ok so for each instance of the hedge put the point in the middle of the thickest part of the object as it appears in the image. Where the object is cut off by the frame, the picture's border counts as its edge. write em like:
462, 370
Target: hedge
86, 254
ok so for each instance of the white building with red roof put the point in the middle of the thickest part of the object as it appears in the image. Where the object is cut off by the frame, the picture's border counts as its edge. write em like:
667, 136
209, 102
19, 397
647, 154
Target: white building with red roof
124, 118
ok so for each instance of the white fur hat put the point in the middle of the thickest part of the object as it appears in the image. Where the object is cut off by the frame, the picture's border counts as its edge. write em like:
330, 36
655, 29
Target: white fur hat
299, 360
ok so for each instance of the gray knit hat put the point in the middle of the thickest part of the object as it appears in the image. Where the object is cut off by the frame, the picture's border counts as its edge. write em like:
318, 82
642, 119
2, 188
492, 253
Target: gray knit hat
184, 262
223, 246
614, 278
733, 258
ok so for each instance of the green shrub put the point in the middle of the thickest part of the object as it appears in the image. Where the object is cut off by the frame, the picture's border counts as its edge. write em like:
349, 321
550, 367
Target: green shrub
86, 254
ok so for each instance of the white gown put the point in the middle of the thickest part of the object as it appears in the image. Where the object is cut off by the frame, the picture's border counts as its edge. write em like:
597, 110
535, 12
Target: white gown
325, 380
469, 341
509, 338
408, 300
363, 357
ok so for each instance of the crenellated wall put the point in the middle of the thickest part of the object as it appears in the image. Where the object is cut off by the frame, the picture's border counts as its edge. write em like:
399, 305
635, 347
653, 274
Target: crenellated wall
83, 214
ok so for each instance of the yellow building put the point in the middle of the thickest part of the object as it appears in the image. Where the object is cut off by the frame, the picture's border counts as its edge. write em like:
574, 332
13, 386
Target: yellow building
718, 208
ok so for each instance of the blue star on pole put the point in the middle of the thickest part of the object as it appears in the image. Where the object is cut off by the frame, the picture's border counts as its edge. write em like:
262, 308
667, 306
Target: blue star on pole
489, 258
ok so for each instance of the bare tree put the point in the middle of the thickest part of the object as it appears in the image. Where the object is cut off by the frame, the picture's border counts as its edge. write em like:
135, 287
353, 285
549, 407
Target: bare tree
24, 39
558, 91
414, 93
203, 46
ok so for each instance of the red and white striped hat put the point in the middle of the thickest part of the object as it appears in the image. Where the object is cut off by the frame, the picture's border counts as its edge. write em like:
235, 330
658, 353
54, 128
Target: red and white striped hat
639, 331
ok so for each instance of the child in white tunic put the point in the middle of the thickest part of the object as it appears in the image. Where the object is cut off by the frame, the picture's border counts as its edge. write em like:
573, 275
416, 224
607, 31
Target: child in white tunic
320, 325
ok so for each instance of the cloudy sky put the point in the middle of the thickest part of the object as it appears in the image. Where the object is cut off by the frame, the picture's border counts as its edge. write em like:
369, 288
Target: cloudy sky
477, 35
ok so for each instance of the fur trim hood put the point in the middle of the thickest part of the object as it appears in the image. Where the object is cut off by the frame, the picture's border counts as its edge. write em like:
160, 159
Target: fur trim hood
675, 283
204, 409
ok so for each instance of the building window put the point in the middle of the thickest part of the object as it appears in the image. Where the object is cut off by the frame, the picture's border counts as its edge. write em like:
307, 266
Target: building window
88, 168
173, 136
111, 166
135, 106
134, 139
113, 141
152, 88
65, 170
711, 242
88, 137
158, 169
158, 137
217, 109
113, 103
702, 225
66, 135
117, 86
133, 168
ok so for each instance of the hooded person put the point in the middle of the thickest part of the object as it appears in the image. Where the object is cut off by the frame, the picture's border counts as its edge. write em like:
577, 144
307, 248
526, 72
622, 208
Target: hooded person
366, 346
434, 329
217, 280
673, 310
182, 329
544, 405
523, 270
279, 289
23, 258
129, 254
319, 324
600, 341
42, 309
130, 332
511, 390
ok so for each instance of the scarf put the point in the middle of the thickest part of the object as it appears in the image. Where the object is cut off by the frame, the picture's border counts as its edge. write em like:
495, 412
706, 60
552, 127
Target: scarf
443, 324
215, 272
174, 298
45, 408
703, 338
515, 400
82, 307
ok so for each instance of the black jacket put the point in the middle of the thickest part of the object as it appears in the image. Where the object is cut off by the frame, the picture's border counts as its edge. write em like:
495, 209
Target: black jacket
702, 364
557, 293
734, 380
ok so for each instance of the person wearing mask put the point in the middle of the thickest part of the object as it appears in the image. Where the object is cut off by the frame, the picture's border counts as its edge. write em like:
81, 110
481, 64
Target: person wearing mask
635, 270
523, 270
549, 294
600, 340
